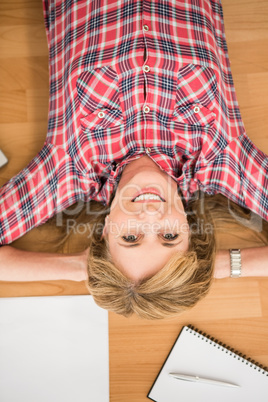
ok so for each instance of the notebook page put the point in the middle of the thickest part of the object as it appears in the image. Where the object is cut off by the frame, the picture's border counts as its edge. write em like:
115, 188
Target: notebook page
193, 355
53, 349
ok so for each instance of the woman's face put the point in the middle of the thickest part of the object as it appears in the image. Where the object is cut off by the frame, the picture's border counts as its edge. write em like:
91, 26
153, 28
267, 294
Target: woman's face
147, 222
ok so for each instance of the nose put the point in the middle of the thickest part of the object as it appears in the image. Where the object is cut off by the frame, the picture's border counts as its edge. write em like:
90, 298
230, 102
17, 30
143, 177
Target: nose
151, 212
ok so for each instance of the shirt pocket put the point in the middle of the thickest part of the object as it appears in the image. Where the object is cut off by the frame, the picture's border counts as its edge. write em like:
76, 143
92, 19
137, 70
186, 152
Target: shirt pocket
196, 84
98, 93
194, 114
102, 118
192, 121
195, 97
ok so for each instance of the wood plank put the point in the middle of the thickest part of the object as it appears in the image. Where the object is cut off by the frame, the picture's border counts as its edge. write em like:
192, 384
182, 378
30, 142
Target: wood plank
20, 142
37, 104
18, 12
13, 107
32, 73
23, 41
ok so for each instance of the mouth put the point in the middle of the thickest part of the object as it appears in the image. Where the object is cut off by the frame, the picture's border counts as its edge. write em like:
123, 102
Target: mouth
148, 195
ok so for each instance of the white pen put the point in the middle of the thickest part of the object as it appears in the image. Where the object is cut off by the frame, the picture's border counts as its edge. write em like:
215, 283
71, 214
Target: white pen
193, 378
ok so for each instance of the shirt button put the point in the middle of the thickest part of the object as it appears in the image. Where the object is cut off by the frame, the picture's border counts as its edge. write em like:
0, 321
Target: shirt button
148, 150
196, 109
145, 28
146, 109
101, 115
146, 69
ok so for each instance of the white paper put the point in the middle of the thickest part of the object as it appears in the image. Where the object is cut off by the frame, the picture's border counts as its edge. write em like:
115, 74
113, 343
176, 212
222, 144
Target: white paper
3, 159
53, 349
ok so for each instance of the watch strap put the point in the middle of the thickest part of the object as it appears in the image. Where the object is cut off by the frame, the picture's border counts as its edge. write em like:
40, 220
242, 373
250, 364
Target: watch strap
236, 266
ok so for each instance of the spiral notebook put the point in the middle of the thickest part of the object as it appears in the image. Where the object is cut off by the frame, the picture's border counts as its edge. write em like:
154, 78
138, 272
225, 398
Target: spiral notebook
196, 354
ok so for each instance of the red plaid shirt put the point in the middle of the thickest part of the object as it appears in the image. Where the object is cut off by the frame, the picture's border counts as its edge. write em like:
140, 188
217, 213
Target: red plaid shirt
108, 106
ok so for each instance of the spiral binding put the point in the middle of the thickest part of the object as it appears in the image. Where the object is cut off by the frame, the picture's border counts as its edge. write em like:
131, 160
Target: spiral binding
235, 353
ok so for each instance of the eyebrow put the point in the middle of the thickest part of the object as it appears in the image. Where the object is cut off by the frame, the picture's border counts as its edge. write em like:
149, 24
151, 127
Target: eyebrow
169, 245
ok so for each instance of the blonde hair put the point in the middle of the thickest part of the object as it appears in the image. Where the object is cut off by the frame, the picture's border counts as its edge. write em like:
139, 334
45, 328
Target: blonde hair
182, 282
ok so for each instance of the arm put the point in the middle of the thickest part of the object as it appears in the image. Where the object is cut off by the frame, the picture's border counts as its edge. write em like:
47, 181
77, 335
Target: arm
254, 262
25, 266
240, 173
49, 184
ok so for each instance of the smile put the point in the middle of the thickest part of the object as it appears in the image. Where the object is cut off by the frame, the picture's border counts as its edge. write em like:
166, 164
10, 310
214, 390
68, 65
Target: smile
148, 197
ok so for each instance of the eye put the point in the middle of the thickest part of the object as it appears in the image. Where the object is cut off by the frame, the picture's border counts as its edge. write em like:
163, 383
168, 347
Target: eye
169, 236
131, 238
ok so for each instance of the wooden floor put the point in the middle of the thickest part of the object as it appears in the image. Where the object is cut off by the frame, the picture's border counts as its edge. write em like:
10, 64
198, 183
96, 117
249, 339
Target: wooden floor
236, 311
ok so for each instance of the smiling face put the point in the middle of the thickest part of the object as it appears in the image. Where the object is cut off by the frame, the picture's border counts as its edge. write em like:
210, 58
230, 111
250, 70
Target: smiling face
147, 223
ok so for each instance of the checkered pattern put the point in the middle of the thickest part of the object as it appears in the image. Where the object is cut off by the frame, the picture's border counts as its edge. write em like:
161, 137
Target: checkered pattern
100, 120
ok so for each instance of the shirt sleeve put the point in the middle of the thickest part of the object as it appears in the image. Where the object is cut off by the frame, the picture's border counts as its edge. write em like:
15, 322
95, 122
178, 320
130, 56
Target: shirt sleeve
240, 173
49, 184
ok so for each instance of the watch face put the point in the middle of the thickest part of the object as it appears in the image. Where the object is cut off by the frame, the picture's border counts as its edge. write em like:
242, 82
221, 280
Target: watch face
3, 159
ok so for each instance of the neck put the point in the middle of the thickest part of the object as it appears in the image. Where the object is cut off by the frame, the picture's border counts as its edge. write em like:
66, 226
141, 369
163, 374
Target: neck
141, 163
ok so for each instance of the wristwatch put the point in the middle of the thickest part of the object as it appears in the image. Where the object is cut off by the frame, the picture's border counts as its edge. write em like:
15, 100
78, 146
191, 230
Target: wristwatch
236, 265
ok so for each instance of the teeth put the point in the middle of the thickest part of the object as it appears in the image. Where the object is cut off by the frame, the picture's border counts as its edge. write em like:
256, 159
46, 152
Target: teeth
147, 196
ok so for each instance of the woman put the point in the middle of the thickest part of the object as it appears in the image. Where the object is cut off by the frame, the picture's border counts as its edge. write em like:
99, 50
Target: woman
141, 101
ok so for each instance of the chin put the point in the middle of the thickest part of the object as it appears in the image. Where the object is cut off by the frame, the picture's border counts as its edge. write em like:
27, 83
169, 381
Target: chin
149, 177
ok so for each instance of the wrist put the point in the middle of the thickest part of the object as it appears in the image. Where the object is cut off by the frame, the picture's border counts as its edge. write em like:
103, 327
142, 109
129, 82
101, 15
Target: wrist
254, 262
222, 264
74, 266
82, 261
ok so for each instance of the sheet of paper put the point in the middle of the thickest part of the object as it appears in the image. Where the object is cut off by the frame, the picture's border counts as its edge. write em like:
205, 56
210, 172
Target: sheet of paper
53, 349
3, 159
